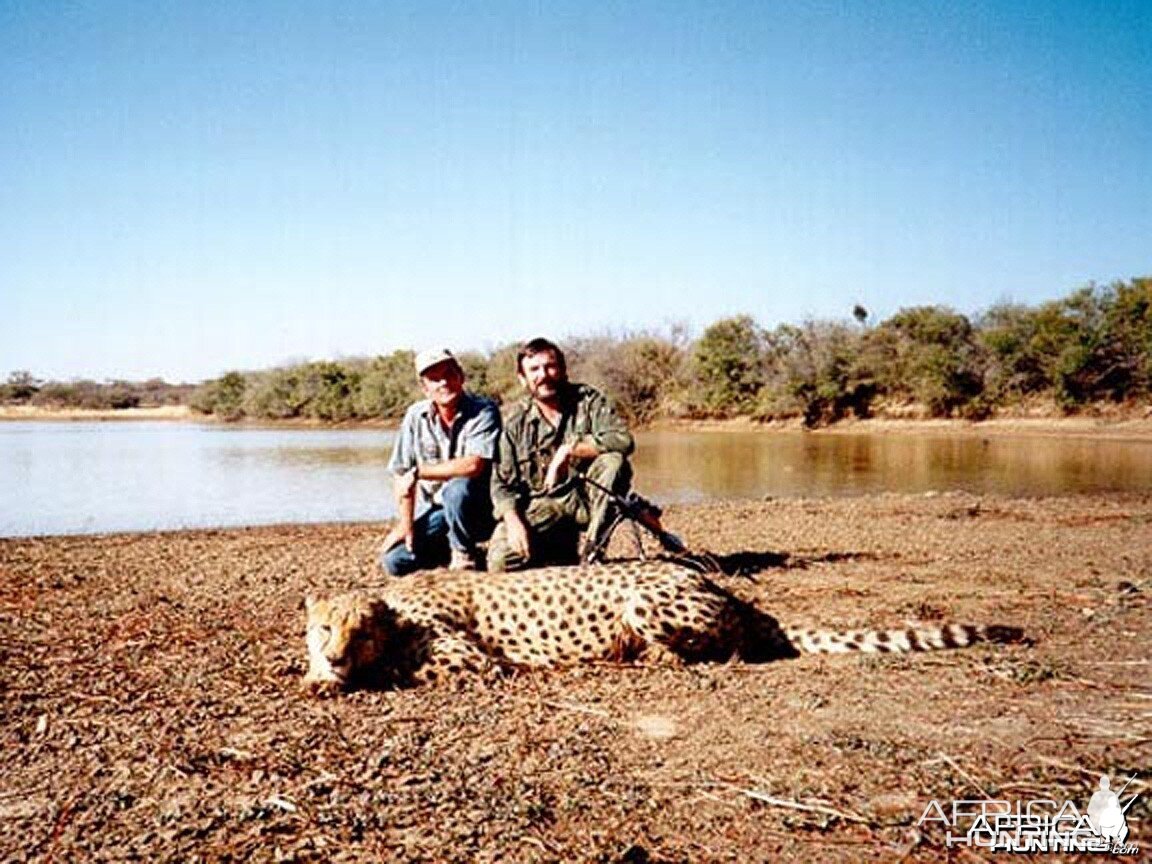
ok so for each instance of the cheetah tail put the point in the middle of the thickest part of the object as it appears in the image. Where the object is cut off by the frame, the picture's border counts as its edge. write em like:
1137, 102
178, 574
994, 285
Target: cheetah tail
923, 638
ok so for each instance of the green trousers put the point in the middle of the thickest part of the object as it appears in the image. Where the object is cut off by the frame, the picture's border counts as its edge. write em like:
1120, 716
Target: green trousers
555, 521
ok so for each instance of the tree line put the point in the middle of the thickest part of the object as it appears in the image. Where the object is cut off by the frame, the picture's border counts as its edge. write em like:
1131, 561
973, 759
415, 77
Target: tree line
1092, 346
24, 388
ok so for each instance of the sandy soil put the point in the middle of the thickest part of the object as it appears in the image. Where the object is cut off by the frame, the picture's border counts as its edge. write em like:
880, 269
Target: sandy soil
151, 707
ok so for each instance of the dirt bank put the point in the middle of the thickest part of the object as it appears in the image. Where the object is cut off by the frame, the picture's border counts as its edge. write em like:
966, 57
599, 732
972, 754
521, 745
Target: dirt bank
1131, 423
37, 412
151, 708
1137, 428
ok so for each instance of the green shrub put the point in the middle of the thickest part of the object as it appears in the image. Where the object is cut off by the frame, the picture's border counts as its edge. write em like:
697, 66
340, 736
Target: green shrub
20, 387
928, 354
222, 397
728, 367
815, 372
387, 386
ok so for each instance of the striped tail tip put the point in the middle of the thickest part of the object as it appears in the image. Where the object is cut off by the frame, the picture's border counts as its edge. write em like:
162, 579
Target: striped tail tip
929, 638
1005, 634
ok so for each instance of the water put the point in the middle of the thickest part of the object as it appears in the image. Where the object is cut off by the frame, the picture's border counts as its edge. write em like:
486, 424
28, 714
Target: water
76, 478
687, 466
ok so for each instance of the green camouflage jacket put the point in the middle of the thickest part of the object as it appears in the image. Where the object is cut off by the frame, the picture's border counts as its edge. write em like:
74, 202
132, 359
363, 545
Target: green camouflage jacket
529, 441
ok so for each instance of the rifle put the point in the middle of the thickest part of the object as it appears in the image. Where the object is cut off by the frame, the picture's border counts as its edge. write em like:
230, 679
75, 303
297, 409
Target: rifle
640, 511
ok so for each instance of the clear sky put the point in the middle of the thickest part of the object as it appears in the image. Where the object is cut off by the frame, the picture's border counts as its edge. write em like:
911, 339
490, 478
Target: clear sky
187, 188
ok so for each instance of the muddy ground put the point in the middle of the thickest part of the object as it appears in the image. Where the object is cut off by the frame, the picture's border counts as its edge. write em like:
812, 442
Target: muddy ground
151, 707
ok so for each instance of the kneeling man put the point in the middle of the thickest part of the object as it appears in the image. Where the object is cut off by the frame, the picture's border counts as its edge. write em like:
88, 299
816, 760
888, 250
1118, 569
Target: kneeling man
441, 465
560, 429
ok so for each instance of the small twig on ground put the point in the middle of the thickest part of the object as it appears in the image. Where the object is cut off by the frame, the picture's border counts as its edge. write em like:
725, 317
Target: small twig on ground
764, 798
1091, 726
944, 757
58, 826
325, 778
704, 793
282, 803
1067, 766
1028, 787
1103, 685
541, 843
1095, 774
233, 753
580, 709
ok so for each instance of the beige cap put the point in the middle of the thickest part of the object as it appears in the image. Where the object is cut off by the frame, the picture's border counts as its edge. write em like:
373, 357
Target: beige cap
428, 358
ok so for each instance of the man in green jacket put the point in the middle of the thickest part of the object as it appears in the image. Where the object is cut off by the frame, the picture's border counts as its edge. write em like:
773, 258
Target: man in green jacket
558, 431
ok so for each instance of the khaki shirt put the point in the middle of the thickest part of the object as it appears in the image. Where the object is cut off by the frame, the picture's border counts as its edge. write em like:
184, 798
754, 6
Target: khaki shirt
529, 442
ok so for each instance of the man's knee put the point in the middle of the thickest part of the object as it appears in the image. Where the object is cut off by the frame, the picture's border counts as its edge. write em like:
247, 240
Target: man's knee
611, 469
455, 493
501, 557
497, 559
466, 495
398, 561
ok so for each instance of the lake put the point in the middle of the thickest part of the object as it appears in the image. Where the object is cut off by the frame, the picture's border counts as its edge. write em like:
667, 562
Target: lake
78, 478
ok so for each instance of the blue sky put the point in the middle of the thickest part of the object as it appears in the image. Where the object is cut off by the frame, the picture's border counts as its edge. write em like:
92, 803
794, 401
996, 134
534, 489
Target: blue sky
187, 188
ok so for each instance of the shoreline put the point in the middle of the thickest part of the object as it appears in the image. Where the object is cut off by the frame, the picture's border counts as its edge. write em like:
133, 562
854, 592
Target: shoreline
169, 413
1119, 428
1131, 424
681, 510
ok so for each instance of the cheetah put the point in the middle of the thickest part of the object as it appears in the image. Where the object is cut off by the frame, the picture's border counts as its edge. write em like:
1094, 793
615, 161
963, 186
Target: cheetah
434, 626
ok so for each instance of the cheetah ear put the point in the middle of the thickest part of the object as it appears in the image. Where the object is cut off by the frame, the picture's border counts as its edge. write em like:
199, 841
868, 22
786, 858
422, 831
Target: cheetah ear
309, 602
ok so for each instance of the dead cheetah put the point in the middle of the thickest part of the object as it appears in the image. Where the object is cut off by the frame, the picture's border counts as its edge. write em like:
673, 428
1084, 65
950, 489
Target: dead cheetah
435, 625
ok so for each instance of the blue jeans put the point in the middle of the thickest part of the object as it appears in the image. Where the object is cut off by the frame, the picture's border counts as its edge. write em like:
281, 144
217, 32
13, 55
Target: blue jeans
463, 518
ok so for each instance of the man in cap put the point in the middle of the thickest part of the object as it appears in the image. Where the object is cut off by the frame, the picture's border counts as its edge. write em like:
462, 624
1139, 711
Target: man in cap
560, 429
440, 466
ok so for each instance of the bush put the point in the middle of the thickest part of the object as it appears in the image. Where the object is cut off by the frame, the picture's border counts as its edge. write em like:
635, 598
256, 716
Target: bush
20, 387
815, 372
500, 375
222, 397
1106, 344
928, 353
326, 390
274, 395
1013, 339
728, 368
387, 386
643, 374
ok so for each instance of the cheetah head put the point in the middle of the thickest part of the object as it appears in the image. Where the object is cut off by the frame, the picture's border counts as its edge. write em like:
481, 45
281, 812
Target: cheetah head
344, 640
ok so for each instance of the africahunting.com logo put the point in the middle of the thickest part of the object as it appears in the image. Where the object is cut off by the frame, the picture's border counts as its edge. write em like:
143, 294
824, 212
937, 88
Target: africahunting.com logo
1039, 825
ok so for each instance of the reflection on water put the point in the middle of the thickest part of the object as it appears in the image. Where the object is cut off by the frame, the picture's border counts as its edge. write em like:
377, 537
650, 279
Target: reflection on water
686, 466
692, 465
60, 478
